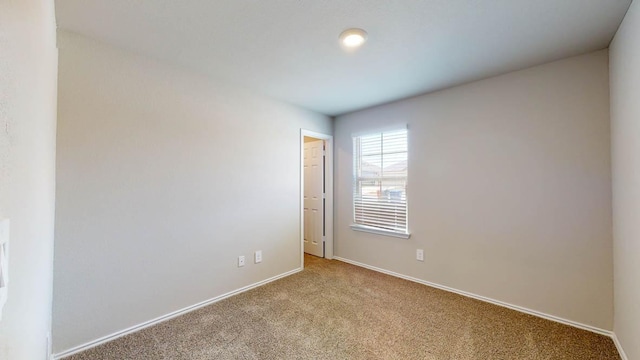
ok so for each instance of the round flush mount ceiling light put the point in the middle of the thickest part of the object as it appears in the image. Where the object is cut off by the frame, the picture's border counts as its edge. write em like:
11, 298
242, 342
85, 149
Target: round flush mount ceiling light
353, 38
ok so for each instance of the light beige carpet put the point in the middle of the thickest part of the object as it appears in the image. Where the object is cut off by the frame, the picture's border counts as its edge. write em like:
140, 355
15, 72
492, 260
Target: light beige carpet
334, 310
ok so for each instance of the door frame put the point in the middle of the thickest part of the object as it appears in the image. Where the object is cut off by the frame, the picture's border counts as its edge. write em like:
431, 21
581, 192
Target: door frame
328, 182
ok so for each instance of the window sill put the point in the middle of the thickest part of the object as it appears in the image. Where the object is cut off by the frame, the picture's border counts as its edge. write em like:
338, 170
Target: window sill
377, 231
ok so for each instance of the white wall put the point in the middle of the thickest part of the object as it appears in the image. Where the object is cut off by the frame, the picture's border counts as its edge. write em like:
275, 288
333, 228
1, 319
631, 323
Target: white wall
28, 62
625, 137
164, 178
509, 189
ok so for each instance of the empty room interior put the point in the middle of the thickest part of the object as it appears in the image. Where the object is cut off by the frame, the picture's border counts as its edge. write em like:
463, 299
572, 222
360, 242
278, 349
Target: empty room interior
340, 179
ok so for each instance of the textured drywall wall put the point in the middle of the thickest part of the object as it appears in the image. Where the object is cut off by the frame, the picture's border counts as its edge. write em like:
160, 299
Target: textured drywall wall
164, 178
28, 70
509, 189
625, 149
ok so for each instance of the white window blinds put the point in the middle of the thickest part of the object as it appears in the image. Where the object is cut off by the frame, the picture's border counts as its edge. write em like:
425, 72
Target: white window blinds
380, 180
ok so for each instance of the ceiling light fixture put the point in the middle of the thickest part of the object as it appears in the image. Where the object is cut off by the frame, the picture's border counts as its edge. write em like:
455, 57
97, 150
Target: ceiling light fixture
353, 38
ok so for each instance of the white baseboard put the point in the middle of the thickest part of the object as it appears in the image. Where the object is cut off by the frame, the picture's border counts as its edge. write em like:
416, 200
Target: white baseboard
185, 310
623, 355
171, 315
485, 299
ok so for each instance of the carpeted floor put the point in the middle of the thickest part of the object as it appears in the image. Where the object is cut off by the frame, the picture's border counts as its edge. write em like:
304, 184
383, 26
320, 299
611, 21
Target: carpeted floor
334, 310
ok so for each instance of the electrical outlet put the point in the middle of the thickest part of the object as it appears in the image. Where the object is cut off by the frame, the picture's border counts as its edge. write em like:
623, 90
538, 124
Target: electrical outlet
420, 255
241, 261
258, 256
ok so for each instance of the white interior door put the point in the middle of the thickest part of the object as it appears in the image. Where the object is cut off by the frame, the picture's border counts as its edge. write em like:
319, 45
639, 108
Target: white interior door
313, 198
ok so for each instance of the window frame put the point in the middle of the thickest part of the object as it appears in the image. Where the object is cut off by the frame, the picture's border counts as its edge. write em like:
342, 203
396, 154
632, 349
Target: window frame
358, 178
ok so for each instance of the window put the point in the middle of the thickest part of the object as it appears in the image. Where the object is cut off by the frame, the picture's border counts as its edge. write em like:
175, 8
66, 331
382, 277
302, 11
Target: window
380, 183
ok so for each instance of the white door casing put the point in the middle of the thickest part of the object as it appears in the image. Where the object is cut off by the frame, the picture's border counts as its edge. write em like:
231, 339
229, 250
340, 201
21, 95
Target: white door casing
313, 198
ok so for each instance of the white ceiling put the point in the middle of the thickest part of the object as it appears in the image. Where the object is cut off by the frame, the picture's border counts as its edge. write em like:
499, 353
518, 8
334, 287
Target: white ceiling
289, 50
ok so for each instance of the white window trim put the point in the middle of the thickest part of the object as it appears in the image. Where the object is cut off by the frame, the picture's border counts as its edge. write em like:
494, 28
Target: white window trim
378, 231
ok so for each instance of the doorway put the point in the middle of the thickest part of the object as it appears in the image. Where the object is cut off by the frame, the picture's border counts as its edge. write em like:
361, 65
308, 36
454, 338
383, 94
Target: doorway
316, 195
